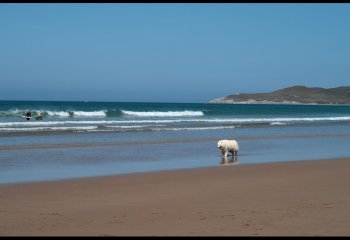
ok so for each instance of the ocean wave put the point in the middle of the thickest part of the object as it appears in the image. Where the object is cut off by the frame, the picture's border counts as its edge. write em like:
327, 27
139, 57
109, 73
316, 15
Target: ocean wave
271, 121
110, 128
164, 114
133, 126
192, 128
73, 113
158, 124
85, 122
278, 123
53, 113
89, 114
57, 113
294, 119
12, 112
27, 129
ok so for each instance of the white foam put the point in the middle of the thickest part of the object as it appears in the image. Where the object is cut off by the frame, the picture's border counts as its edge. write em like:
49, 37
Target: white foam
164, 114
12, 112
134, 126
58, 113
89, 114
278, 123
194, 120
48, 128
295, 119
193, 128
31, 123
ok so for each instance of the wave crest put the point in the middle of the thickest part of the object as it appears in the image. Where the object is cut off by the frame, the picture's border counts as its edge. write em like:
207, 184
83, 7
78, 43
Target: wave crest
58, 113
164, 114
89, 114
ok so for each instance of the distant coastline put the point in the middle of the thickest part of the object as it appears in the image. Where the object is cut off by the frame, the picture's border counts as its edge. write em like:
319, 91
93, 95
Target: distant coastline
230, 101
296, 95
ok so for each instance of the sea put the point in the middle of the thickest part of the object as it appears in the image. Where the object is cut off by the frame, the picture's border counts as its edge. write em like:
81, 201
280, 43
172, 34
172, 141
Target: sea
88, 139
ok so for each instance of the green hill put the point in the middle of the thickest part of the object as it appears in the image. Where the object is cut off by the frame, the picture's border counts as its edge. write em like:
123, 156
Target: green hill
292, 95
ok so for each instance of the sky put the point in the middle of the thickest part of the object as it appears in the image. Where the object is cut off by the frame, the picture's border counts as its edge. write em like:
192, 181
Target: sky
169, 52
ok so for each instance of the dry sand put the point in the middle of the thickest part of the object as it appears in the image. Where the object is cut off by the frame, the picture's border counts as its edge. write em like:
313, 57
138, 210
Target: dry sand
305, 198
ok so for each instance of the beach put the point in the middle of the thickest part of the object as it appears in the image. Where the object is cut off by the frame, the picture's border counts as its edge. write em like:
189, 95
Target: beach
153, 169
116, 119
296, 198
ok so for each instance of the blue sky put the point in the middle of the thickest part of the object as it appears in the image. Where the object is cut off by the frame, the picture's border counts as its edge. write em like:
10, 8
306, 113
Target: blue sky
169, 52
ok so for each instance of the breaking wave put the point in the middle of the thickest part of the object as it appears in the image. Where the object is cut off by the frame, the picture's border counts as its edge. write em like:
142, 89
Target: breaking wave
157, 124
164, 114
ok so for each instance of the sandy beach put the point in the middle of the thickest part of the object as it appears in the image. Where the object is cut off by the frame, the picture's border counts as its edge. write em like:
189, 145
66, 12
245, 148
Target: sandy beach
303, 198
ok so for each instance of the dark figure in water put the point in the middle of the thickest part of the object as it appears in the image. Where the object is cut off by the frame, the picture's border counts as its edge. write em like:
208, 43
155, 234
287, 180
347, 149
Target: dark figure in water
39, 117
29, 114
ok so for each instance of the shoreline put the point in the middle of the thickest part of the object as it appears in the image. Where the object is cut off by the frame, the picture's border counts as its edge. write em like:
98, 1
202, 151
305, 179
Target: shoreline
228, 162
222, 101
300, 198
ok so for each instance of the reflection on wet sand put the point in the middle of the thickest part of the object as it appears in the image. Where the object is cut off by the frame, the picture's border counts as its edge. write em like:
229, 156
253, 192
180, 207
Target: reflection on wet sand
230, 160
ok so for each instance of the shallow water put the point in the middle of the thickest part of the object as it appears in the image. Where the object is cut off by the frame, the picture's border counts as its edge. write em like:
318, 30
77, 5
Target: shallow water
37, 157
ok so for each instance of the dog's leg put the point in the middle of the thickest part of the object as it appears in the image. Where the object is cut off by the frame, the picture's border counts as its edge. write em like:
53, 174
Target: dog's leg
226, 151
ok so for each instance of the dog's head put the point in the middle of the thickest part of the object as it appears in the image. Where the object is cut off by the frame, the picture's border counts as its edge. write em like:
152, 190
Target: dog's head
220, 145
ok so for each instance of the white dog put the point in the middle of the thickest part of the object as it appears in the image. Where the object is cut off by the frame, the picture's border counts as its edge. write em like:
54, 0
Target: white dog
228, 146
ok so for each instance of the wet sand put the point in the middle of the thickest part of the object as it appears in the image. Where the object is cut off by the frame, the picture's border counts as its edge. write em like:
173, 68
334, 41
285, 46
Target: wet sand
304, 198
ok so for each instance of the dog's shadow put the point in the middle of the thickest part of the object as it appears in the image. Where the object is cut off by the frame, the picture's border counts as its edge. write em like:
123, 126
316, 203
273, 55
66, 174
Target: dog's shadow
230, 160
